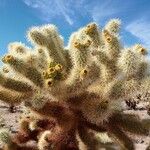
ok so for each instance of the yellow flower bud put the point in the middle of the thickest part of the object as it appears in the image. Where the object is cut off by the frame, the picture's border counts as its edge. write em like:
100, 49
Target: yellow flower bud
143, 51
140, 49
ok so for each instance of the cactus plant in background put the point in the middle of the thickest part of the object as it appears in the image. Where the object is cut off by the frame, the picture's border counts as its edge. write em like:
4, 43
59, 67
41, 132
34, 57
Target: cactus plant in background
74, 92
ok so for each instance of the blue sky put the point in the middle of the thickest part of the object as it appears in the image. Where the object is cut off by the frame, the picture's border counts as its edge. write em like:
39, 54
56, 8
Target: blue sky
16, 16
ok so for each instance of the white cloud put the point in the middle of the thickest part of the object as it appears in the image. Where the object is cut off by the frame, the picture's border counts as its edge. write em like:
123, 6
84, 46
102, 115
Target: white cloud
140, 29
104, 10
50, 9
71, 10
58, 8
65, 12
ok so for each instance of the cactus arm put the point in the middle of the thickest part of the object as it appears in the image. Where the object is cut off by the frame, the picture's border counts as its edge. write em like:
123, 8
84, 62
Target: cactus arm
94, 34
113, 26
51, 32
142, 71
121, 88
42, 58
30, 73
13, 97
18, 48
91, 141
88, 139
37, 37
129, 63
79, 54
13, 84
68, 60
112, 45
108, 67
130, 123
120, 137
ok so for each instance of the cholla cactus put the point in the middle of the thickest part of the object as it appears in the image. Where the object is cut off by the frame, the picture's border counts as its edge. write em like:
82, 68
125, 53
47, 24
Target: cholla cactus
71, 91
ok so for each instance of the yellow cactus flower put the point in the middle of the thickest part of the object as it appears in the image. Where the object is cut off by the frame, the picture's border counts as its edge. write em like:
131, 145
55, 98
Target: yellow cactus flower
7, 58
58, 67
107, 36
51, 70
106, 33
88, 43
40, 50
45, 74
77, 45
108, 39
142, 50
83, 73
90, 28
49, 82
